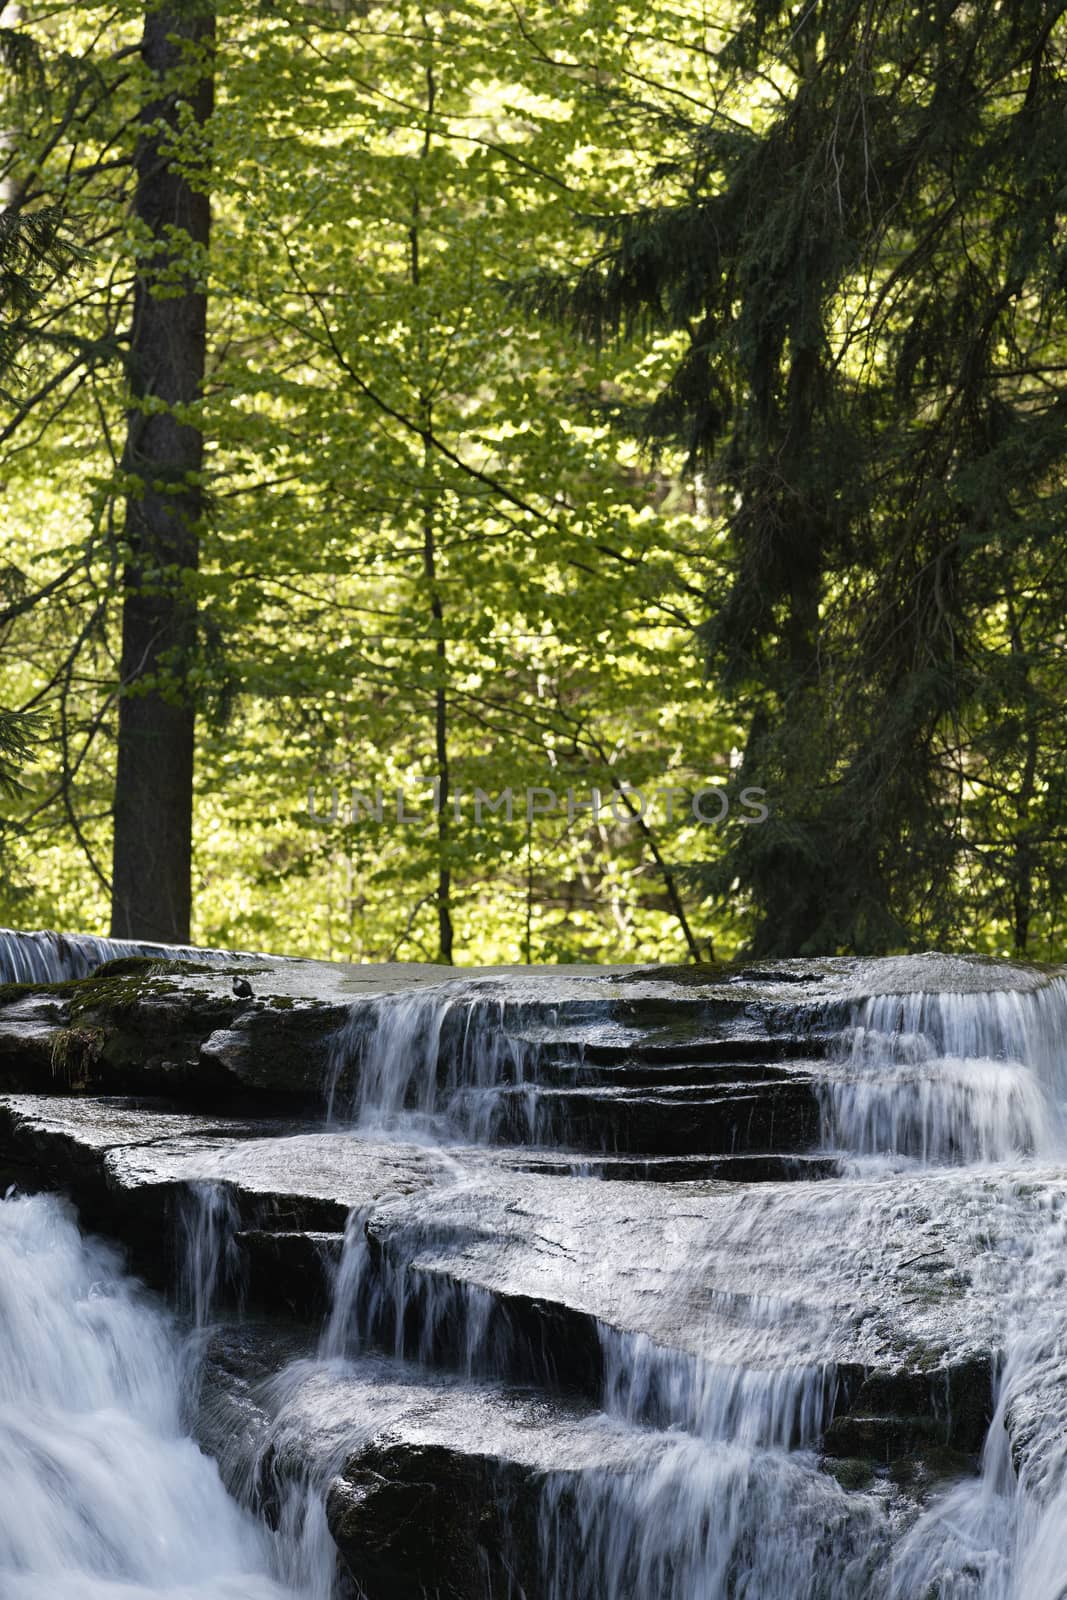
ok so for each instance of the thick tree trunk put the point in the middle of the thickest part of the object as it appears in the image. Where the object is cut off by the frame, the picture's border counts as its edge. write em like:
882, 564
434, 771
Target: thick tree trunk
151, 880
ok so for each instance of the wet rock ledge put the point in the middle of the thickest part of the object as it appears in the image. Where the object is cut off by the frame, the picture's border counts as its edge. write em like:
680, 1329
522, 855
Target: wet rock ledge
649, 1220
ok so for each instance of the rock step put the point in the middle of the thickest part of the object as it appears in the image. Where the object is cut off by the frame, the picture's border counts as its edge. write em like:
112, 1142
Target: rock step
892, 1416
755, 1167
450, 1326
462, 1261
138, 1026
464, 1490
181, 1034
557, 1043
431, 1487
132, 1166
769, 1114
638, 1072
772, 1047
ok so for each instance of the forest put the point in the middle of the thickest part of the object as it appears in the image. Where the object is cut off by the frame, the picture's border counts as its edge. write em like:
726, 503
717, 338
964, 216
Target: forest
535, 481
533, 800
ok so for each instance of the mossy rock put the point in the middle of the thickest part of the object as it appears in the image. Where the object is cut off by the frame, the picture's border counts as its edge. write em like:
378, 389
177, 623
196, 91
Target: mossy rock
851, 1472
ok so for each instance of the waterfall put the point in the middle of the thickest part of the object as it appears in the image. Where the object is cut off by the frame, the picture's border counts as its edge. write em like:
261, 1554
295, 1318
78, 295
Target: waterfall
104, 1496
722, 1523
378, 1302
735, 1506
942, 1105
209, 1264
344, 1330
940, 1078
392, 1044
302, 1554
780, 1408
434, 1064
53, 957
734, 1502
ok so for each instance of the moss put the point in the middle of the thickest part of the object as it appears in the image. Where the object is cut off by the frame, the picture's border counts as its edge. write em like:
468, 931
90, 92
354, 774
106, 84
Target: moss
128, 967
697, 972
75, 1051
850, 1471
119, 982
141, 968
114, 995
933, 1467
282, 1002
10, 992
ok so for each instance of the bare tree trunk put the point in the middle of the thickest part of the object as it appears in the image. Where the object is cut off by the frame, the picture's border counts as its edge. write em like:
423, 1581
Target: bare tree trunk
152, 862
445, 932
440, 728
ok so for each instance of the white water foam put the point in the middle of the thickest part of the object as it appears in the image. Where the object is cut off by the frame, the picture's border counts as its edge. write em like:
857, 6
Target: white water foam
104, 1496
941, 1079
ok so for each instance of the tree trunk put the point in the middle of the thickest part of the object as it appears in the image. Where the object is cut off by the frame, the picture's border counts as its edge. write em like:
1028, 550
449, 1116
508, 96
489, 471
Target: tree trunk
1021, 870
440, 726
151, 880
445, 931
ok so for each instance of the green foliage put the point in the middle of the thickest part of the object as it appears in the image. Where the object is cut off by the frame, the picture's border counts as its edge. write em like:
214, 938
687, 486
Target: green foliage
19, 732
867, 264
421, 540
799, 416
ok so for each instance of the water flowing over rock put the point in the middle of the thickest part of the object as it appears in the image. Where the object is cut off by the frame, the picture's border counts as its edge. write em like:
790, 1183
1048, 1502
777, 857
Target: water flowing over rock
52, 957
743, 1284
104, 1493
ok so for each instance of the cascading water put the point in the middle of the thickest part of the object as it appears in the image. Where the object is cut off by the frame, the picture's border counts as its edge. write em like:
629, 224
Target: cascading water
711, 1521
302, 1555
52, 957
939, 1104
735, 1504
436, 1064
208, 1220
391, 1045
947, 1077
1000, 1536
934, 1079
730, 1501
105, 1497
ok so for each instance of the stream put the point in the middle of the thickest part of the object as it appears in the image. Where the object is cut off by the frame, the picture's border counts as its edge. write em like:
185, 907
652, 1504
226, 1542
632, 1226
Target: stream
698, 1465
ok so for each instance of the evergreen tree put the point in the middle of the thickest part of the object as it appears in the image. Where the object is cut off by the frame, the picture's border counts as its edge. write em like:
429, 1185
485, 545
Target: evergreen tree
863, 250
34, 251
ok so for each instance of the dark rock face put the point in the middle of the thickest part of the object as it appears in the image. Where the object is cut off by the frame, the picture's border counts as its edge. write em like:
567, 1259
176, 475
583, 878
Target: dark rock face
423, 1518
142, 1033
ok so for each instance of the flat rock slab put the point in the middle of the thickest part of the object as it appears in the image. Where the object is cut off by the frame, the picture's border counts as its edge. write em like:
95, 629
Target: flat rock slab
901, 1274
652, 1061
786, 981
136, 1151
893, 1273
429, 1483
